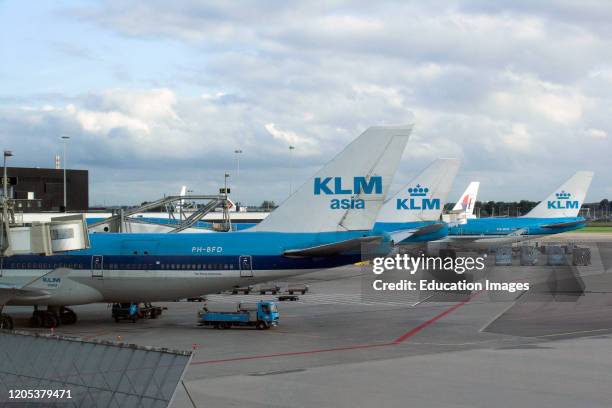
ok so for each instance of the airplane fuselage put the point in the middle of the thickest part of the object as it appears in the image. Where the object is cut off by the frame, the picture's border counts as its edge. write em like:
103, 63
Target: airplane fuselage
527, 226
155, 267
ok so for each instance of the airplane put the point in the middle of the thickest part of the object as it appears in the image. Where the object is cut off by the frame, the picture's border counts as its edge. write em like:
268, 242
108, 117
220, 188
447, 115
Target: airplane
322, 225
556, 214
416, 208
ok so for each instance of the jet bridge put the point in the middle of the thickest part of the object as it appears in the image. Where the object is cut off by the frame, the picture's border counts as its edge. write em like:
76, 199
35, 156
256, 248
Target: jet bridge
124, 221
67, 233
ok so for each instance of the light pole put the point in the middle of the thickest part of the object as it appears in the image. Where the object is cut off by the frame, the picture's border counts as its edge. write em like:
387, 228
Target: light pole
5, 223
226, 217
238, 153
65, 140
291, 149
7, 153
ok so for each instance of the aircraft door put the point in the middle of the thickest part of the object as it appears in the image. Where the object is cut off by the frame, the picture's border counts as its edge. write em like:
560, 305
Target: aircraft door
246, 266
97, 266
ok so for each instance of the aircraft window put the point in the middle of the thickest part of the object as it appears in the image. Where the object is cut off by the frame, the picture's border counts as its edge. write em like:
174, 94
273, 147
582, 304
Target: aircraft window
231, 266
226, 266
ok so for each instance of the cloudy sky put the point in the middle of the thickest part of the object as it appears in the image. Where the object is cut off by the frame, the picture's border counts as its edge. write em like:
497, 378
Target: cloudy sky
156, 94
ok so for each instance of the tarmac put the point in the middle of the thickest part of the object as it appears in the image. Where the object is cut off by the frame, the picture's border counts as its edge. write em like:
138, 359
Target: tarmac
339, 347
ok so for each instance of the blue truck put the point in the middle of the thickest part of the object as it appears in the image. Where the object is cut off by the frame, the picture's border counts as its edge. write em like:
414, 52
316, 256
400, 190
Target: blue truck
262, 315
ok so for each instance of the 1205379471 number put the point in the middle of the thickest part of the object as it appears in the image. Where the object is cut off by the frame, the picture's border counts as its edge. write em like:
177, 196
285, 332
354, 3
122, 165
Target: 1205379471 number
40, 394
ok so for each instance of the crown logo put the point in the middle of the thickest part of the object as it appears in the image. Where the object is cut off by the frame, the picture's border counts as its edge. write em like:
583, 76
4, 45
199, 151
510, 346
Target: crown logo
563, 195
418, 191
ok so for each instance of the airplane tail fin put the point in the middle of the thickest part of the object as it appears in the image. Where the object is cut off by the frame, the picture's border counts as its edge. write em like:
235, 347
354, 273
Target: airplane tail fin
424, 197
566, 200
348, 192
468, 200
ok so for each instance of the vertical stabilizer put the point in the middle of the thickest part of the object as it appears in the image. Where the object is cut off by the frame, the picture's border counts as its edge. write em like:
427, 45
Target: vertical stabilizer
424, 197
348, 192
566, 200
468, 200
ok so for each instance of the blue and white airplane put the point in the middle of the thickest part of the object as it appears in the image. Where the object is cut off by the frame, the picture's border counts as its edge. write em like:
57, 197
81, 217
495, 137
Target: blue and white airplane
322, 225
557, 213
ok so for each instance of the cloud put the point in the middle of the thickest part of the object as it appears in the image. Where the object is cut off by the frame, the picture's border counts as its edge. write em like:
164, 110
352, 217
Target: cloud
596, 134
515, 89
307, 145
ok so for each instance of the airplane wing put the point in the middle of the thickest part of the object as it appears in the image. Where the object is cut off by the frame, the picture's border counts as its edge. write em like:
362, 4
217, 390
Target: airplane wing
564, 224
331, 249
488, 239
35, 288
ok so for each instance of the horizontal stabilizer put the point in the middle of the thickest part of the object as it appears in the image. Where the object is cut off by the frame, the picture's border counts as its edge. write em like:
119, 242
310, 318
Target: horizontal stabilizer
429, 229
349, 245
564, 224
400, 235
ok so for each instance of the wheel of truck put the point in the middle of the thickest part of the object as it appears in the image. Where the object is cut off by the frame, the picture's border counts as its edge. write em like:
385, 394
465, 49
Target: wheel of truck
234, 292
215, 326
262, 292
291, 292
153, 314
226, 325
261, 325
303, 292
246, 292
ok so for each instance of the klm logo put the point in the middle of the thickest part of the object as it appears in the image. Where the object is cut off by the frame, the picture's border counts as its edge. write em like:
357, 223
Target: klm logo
338, 186
563, 202
52, 282
418, 200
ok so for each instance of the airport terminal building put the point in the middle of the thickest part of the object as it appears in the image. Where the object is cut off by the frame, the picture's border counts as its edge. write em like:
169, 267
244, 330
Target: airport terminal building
37, 190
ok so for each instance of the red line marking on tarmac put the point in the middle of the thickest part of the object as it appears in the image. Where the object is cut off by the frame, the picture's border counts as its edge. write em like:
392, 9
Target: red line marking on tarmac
395, 342
434, 319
